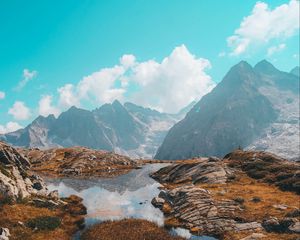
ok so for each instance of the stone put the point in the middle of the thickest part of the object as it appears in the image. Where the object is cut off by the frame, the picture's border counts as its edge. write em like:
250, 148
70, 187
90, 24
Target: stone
15, 181
280, 207
295, 227
248, 226
204, 171
4, 234
158, 202
54, 195
254, 236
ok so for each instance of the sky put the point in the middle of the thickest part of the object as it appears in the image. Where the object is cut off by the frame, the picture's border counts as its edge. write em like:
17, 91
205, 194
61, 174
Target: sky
159, 54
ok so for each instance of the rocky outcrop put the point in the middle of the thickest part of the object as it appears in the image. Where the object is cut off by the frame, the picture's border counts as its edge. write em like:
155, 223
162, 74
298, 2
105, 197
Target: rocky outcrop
15, 181
267, 167
197, 210
209, 170
78, 161
4, 234
239, 196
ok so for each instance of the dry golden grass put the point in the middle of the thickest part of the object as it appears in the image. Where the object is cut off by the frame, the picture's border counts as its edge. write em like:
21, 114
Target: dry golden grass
15, 216
127, 229
248, 188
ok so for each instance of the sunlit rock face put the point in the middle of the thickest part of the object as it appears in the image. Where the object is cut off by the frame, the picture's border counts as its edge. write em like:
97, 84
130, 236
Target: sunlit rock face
15, 181
253, 108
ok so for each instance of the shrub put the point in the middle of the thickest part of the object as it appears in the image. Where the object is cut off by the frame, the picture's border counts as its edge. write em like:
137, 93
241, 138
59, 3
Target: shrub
44, 223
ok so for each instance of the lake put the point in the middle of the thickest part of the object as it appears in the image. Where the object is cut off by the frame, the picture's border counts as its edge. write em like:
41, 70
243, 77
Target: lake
125, 196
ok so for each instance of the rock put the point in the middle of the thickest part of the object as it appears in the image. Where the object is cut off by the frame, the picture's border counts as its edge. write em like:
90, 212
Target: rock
204, 171
196, 209
248, 226
285, 225
295, 227
45, 203
294, 213
280, 207
158, 202
254, 236
239, 200
15, 181
4, 234
271, 224
54, 195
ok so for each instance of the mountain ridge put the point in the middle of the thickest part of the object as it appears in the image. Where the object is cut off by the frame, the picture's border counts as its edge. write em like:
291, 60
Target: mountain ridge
127, 129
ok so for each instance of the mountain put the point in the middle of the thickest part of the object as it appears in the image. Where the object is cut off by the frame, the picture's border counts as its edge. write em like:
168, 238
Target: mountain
296, 71
128, 129
252, 107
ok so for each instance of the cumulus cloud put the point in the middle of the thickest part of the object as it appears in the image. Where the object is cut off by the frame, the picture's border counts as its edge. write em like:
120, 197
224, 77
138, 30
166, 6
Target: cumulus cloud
27, 76
46, 108
172, 84
10, 127
265, 24
20, 111
67, 98
168, 85
2, 95
275, 49
127, 60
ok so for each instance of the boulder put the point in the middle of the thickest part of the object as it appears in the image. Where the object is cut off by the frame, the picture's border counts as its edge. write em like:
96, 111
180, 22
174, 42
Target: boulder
158, 202
4, 234
15, 181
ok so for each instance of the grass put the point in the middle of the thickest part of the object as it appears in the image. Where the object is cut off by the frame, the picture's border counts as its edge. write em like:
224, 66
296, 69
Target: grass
127, 229
22, 218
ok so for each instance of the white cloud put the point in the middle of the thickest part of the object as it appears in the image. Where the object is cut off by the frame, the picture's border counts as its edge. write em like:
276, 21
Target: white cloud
27, 76
10, 127
100, 86
167, 86
172, 84
265, 24
275, 49
127, 60
66, 96
46, 108
19, 111
2, 95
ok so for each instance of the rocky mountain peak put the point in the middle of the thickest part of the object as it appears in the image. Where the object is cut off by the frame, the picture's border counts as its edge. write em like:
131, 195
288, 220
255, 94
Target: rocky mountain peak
265, 67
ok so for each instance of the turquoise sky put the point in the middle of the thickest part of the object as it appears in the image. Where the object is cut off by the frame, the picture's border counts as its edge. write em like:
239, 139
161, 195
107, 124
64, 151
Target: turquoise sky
66, 40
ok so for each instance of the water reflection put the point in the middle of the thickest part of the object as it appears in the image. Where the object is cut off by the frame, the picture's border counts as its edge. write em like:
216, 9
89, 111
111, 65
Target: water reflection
121, 197
125, 196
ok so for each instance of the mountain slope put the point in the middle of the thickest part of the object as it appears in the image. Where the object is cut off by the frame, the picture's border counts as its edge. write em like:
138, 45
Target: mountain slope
296, 71
238, 112
127, 129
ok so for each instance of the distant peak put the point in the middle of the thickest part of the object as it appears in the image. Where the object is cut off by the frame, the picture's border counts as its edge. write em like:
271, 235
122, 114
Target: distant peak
266, 67
295, 71
242, 65
72, 108
116, 102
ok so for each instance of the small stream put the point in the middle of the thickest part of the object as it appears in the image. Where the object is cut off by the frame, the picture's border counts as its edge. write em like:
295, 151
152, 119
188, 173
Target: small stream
125, 196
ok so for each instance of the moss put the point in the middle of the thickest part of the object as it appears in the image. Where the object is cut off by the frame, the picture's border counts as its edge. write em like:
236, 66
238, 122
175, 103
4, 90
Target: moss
44, 223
